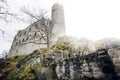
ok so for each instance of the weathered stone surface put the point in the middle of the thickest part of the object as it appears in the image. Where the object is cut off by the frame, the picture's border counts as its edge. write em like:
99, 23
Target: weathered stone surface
112, 53
30, 39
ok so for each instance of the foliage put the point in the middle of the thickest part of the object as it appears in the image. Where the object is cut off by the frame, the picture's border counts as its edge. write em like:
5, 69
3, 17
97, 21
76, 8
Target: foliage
22, 73
15, 58
100, 46
42, 50
7, 65
28, 68
63, 46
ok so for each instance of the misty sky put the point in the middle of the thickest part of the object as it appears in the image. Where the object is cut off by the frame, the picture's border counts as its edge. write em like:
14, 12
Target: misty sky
94, 19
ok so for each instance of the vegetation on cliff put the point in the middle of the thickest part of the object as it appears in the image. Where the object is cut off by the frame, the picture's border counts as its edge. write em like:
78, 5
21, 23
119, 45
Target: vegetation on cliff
29, 67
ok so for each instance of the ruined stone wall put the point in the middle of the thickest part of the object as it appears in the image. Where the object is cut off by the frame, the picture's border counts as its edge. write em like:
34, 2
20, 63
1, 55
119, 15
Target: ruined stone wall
26, 41
30, 39
115, 55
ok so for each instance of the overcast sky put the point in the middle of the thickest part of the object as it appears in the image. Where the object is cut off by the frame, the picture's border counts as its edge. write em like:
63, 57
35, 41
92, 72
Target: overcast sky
94, 19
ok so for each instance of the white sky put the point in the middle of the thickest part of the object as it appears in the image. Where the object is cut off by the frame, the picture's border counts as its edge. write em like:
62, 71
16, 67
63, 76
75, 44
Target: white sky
94, 19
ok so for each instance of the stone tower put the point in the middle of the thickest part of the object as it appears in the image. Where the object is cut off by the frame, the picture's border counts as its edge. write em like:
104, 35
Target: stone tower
29, 39
58, 21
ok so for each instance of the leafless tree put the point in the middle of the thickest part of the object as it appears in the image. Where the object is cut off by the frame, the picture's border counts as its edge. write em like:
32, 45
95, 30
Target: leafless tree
5, 54
5, 15
44, 22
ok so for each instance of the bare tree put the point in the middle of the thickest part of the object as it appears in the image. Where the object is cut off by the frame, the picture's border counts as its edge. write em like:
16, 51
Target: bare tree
5, 54
45, 25
5, 15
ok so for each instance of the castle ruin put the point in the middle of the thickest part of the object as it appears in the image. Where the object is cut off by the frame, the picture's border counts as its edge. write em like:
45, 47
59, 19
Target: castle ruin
29, 39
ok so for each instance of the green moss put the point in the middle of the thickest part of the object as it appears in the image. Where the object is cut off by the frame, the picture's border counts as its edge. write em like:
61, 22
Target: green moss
15, 58
64, 46
41, 51
22, 73
26, 71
